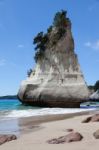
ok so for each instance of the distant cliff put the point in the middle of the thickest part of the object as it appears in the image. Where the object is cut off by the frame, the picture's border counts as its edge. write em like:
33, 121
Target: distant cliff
9, 97
57, 80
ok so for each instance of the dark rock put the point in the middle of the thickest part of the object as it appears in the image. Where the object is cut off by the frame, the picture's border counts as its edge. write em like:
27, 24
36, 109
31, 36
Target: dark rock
69, 130
94, 118
7, 138
96, 134
86, 120
72, 137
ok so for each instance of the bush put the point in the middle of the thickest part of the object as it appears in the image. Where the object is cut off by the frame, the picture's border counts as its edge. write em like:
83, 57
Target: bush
39, 55
49, 29
96, 86
29, 72
42, 40
60, 19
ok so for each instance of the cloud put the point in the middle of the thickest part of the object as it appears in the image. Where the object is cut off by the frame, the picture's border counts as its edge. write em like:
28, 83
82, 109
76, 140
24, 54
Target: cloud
2, 62
20, 46
93, 45
87, 44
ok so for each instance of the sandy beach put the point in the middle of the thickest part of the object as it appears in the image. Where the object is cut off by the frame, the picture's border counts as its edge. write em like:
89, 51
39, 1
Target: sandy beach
48, 128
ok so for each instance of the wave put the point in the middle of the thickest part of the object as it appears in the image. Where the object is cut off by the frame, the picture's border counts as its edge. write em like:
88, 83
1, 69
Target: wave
40, 112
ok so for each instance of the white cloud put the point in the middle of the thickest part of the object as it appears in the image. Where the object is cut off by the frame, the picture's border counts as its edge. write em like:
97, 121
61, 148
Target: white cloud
93, 45
2, 62
20, 46
88, 44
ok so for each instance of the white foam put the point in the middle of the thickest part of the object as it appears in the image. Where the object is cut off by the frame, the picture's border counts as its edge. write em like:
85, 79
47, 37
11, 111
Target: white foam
42, 111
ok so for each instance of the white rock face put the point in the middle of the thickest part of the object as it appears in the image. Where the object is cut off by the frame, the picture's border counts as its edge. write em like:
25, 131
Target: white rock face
57, 80
95, 95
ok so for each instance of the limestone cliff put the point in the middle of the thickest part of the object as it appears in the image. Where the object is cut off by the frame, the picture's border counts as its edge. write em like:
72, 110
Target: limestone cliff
57, 80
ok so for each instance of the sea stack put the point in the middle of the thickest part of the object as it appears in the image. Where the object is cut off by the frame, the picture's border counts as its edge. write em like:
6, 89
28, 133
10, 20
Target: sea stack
57, 80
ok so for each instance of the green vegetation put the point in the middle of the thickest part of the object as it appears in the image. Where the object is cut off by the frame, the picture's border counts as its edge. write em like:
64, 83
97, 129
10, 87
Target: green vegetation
49, 30
60, 19
91, 87
96, 86
29, 72
42, 41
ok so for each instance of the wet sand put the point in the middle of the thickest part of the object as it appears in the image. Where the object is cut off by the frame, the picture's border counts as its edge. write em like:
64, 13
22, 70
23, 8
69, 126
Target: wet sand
35, 131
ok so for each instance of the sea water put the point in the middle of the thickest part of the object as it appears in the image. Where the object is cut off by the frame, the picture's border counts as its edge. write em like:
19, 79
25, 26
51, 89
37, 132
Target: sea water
12, 110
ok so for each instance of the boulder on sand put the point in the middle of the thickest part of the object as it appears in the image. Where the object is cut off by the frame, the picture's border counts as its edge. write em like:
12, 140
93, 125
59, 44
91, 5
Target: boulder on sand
7, 138
72, 137
94, 118
96, 134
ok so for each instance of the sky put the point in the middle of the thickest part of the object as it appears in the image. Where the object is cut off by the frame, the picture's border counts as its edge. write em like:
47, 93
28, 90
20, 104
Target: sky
21, 20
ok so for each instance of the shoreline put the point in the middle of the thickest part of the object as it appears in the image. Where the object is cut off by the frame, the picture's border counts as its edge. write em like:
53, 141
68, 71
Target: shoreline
41, 129
22, 125
26, 125
34, 123
50, 118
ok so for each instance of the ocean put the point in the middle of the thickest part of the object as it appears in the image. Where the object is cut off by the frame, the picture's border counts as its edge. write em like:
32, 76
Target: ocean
12, 110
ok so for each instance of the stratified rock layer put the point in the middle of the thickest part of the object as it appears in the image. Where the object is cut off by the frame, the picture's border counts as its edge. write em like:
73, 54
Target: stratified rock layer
57, 80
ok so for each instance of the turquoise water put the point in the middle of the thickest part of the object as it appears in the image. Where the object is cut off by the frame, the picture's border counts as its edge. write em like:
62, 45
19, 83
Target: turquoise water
13, 104
11, 110
14, 109
7, 104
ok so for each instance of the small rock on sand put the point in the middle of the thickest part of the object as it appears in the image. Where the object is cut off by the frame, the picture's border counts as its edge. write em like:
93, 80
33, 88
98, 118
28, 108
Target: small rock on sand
94, 118
72, 137
69, 130
96, 134
7, 138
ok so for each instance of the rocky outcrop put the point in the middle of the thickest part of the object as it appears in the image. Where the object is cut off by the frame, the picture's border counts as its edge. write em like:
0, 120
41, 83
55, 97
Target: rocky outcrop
7, 138
57, 80
95, 95
94, 118
72, 137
